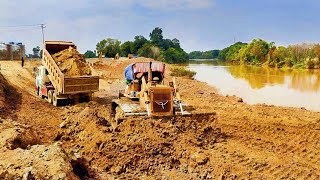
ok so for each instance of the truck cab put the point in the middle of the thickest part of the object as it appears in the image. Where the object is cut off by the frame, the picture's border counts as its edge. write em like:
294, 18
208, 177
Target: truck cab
43, 84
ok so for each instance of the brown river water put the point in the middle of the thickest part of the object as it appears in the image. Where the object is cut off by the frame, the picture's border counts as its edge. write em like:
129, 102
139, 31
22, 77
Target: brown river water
257, 85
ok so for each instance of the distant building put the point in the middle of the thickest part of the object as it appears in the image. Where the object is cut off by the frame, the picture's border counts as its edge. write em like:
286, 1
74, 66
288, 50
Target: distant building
12, 51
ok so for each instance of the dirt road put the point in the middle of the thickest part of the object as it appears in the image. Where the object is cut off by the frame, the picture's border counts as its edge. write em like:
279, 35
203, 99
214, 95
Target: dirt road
233, 141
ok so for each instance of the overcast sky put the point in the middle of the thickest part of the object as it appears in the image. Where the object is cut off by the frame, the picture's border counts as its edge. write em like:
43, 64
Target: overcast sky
198, 24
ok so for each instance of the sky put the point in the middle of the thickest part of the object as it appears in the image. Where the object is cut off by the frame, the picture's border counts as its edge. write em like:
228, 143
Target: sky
198, 24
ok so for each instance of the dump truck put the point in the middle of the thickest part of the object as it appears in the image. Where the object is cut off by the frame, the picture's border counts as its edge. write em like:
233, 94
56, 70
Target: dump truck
55, 86
147, 94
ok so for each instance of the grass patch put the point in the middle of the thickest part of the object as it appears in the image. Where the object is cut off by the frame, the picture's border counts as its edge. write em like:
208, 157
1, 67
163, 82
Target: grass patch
182, 72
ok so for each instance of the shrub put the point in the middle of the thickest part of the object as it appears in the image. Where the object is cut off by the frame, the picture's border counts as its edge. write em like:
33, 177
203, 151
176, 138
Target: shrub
182, 72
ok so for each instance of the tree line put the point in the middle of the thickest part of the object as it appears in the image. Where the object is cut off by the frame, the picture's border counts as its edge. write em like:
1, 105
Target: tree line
156, 47
212, 54
261, 52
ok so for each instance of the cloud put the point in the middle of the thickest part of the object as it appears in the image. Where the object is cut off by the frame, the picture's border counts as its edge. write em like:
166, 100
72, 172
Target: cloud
176, 4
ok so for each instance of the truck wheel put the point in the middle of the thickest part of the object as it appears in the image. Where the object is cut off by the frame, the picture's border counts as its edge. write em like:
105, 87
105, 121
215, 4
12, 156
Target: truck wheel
54, 99
50, 94
87, 99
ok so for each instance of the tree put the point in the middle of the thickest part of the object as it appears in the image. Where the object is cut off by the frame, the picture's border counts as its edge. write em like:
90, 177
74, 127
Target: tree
300, 52
36, 51
316, 51
109, 47
282, 57
195, 55
156, 37
173, 55
100, 47
212, 54
90, 54
138, 42
127, 48
176, 43
166, 44
258, 49
231, 53
150, 51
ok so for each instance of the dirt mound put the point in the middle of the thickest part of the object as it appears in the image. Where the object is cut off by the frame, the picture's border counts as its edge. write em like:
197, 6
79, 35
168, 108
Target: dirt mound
72, 63
138, 146
9, 98
112, 70
21, 159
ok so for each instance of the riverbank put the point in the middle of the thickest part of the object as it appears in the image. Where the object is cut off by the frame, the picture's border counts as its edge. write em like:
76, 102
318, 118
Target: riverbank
224, 139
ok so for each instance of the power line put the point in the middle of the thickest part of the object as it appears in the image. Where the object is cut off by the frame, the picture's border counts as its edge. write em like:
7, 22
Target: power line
13, 26
19, 29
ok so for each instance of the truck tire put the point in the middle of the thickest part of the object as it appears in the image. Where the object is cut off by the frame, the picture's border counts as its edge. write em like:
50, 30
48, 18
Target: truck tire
38, 91
50, 94
54, 99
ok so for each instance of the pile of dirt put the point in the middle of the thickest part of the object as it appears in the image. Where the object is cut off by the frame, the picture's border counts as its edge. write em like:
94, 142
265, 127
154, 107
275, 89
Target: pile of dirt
72, 63
113, 70
140, 146
22, 158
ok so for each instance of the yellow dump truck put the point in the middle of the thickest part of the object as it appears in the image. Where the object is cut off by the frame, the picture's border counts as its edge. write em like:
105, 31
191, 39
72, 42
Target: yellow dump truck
57, 88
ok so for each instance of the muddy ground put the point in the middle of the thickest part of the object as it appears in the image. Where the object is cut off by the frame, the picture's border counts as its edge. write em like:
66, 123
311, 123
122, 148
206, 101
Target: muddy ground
223, 139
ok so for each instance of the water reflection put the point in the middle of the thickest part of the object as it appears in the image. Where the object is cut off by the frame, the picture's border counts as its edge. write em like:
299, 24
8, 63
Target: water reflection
259, 77
296, 88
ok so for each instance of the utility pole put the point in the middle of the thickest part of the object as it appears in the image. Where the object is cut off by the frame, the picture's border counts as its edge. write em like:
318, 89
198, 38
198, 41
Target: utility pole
42, 27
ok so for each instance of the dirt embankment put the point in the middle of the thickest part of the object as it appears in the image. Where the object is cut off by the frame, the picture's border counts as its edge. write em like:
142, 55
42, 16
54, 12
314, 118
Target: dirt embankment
72, 63
232, 140
10, 99
23, 158
24, 149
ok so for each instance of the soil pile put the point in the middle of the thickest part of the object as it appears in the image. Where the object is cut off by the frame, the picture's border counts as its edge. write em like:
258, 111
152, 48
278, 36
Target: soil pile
72, 63
140, 147
114, 70
22, 159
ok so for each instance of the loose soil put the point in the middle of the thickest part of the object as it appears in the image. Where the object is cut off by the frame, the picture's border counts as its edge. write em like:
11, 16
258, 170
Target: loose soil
71, 62
223, 139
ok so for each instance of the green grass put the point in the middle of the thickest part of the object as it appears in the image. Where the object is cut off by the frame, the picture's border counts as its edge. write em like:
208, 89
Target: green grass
182, 72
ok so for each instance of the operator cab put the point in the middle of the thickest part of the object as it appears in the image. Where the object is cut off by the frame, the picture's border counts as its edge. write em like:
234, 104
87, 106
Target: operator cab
137, 72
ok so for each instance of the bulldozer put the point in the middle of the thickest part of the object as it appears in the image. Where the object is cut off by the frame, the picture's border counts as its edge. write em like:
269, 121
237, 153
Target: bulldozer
147, 94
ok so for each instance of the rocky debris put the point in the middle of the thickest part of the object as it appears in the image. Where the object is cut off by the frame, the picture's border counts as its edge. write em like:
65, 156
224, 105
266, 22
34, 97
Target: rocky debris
199, 158
72, 63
